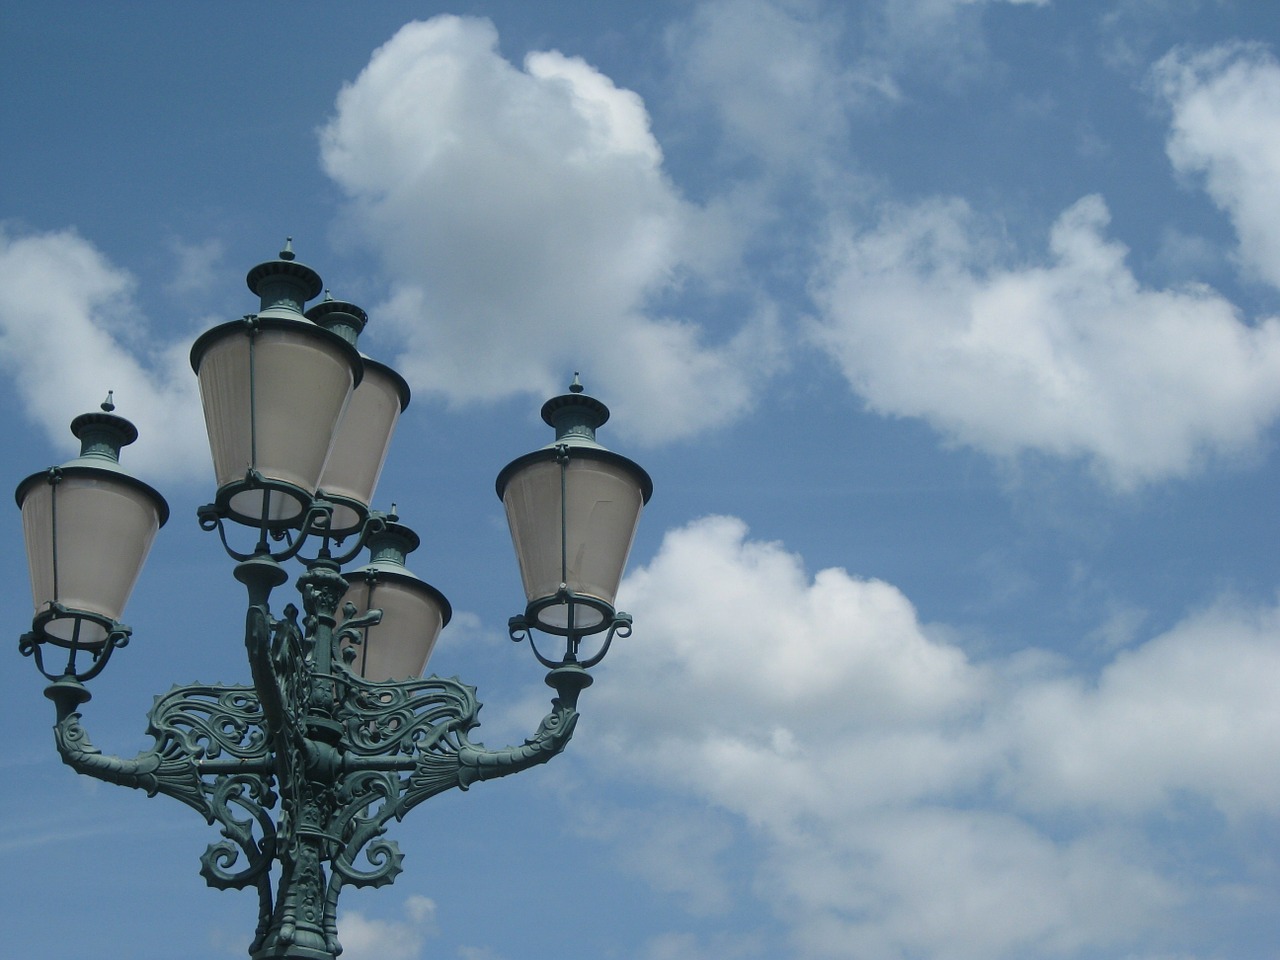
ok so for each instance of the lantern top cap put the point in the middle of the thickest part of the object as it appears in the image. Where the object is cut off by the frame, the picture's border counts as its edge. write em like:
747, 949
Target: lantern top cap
341, 316
284, 284
101, 434
575, 415
388, 548
391, 545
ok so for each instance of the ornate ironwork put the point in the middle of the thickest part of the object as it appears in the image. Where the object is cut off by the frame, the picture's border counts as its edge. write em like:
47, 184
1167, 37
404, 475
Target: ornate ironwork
305, 770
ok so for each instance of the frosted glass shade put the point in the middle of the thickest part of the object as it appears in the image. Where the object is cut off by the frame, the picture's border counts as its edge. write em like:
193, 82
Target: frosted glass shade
87, 537
576, 533
413, 614
361, 443
274, 391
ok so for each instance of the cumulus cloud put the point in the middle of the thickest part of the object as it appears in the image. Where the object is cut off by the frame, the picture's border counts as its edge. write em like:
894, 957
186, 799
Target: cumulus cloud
364, 938
70, 331
1225, 128
1071, 357
913, 802
1182, 714
526, 223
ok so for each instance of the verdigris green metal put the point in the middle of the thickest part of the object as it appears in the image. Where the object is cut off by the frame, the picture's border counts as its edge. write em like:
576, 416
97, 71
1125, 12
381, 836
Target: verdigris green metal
340, 757
304, 769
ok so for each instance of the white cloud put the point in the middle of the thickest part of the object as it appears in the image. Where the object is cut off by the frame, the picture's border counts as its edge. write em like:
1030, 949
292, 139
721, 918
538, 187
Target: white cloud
774, 76
363, 938
1189, 712
1226, 127
70, 331
1073, 357
525, 220
911, 802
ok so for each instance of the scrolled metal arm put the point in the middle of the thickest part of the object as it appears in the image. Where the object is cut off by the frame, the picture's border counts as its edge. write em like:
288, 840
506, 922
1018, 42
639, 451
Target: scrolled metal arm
165, 768
476, 763
432, 749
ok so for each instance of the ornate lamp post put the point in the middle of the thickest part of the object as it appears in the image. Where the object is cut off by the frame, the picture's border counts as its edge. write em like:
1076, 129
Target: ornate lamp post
339, 734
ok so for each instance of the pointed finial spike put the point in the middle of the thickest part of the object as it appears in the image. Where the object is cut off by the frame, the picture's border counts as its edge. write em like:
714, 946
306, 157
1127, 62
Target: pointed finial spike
393, 516
328, 295
107, 404
576, 386
287, 253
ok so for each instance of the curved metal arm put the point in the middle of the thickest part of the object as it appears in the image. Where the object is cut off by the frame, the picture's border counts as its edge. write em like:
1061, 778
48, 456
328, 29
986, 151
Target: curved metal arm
423, 728
315, 523
552, 736
165, 768
210, 752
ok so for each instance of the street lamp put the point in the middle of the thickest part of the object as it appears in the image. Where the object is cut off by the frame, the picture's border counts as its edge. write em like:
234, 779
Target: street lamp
339, 733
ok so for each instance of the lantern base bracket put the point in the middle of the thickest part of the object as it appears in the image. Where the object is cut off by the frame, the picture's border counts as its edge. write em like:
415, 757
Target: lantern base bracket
521, 627
108, 635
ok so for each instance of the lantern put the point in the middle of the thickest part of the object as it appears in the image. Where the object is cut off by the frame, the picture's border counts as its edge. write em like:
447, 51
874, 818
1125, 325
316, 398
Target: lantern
88, 527
573, 508
413, 611
274, 388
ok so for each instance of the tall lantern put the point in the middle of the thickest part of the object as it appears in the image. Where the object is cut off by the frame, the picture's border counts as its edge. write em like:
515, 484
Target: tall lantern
413, 611
88, 527
364, 435
274, 388
573, 508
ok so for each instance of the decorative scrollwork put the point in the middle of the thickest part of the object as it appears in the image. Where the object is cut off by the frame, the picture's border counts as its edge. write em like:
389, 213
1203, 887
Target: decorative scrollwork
363, 798
350, 634
166, 768
305, 770
252, 795
407, 718
211, 721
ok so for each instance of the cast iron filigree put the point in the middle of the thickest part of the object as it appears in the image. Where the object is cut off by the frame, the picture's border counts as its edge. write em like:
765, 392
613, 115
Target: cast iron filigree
305, 769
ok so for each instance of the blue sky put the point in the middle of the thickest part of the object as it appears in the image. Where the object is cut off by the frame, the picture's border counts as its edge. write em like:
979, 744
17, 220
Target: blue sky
949, 333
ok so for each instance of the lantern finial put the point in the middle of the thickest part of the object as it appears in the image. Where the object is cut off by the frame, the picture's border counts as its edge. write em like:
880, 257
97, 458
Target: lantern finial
343, 318
575, 415
284, 285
